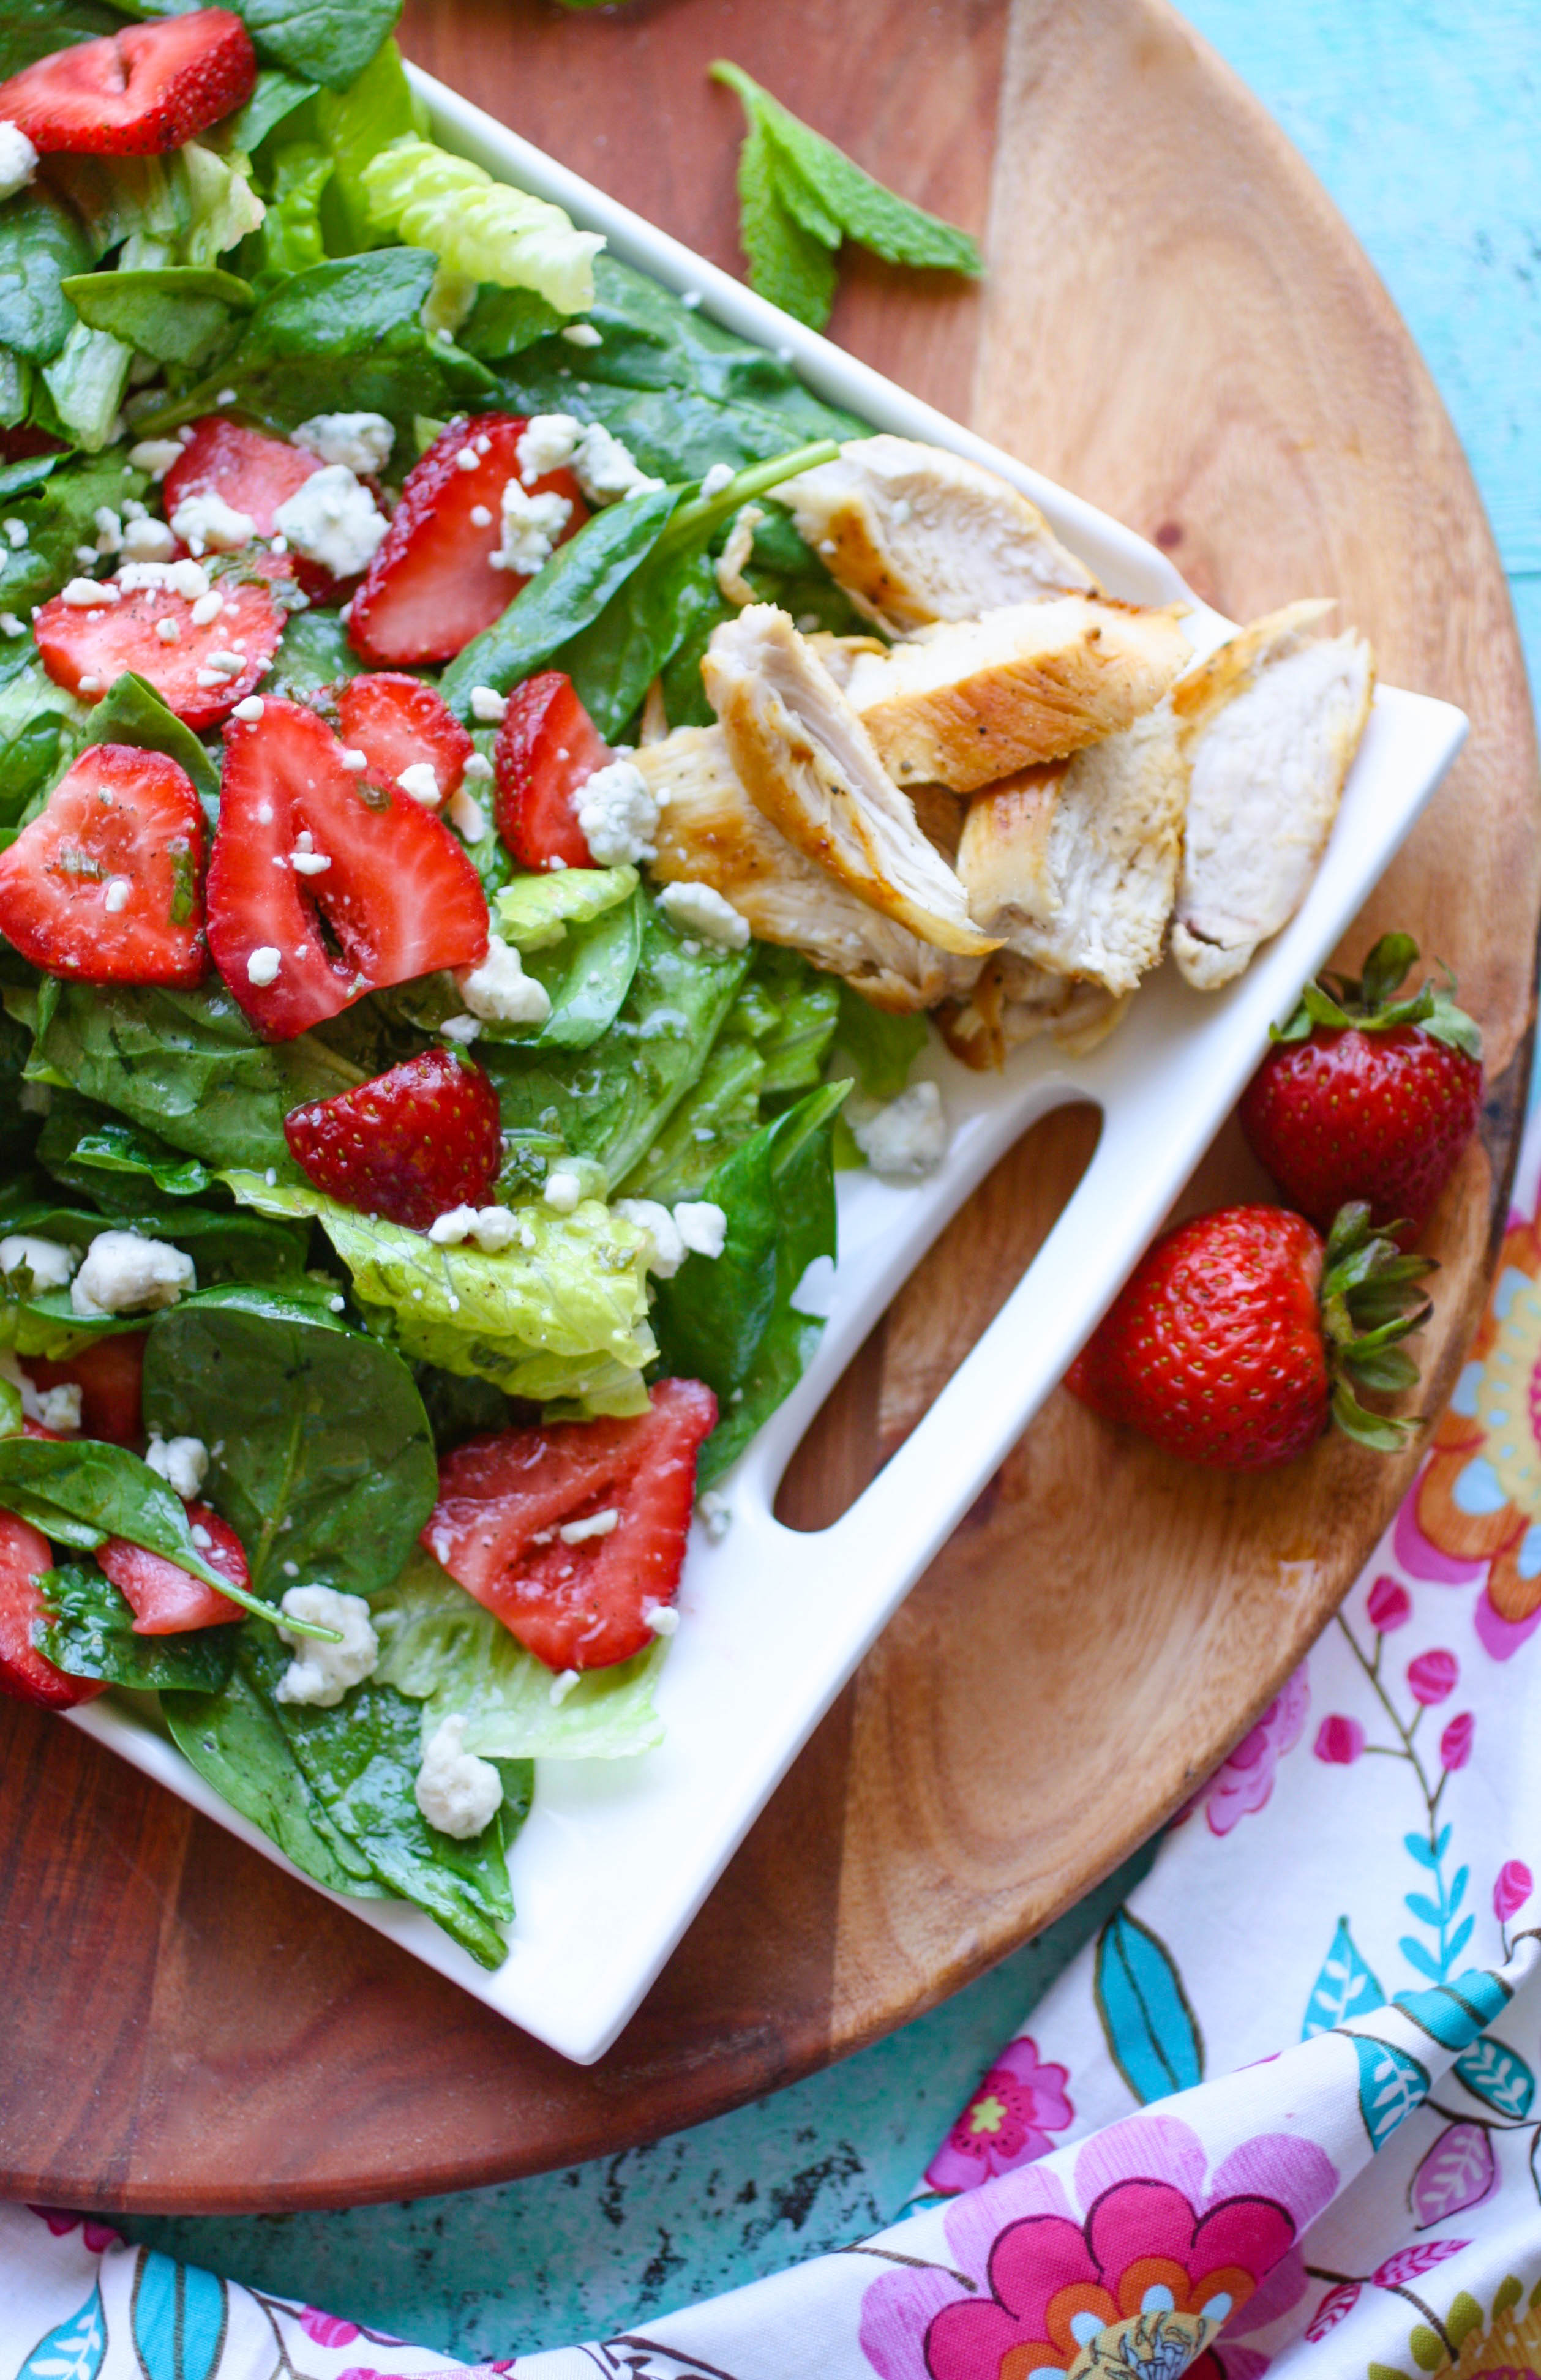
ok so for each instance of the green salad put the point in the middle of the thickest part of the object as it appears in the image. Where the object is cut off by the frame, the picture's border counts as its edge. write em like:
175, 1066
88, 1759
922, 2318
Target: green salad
389, 1163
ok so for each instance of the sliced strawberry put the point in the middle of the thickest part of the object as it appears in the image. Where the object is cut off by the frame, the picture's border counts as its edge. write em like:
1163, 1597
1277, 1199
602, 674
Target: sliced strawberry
86, 649
433, 586
547, 748
138, 92
103, 886
27, 1675
505, 1501
108, 1374
167, 1600
397, 723
254, 473
409, 1145
398, 896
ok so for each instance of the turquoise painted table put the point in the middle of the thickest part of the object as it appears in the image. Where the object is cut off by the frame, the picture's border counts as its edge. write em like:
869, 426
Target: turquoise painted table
1419, 115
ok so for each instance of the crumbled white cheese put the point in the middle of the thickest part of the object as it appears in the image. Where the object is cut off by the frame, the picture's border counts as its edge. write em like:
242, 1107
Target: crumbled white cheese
182, 1462
419, 784
17, 532
86, 594
206, 523
54, 1408
500, 992
661, 1618
207, 607
563, 1190
666, 1251
333, 520
467, 815
715, 1514
583, 334
467, 459
487, 705
547, 443
125, 1274
355, 762
593, 1524
721, 475
617, 815
480, 517
606, 469
261, 967
531, 526
457, 1223
115, 894
457, 1791
50, 1264
155, 455
462, 1030
10, 626
18, 160
149, 541
362, 442
907, 1138
108, 525
496, 1227
702, 1226
700, 909
320, 1673
168, 630
477, 770
226, 663
305, 859
251, 710
560, 1687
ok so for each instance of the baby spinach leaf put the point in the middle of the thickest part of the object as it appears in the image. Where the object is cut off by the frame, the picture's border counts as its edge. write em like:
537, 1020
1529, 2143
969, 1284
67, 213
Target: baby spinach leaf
185, 1064
80, 1142
441, 1646
329, 41
614, 660
90, 1632
461, 1406
797, 1009
274, 96
881, 1048
80, 1490
15, 478
320, 1452
41, 247
610, 1101
33, 715
730, 1322
177, 313
313, 652
586, 977
35, 28
505, 322
132, 712
59, 514
376, 108
292, 239
565, 598
233, 1739
361, 1759
721, 1109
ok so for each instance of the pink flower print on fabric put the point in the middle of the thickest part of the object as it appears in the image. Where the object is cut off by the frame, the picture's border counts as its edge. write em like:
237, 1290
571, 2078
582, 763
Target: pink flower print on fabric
327, 2330
1243, 1782
99, 2237
1006, 2124
1455, 1745
1433, 1677
1151, 2239
1512, 1890
1389, 1606
1339, 1741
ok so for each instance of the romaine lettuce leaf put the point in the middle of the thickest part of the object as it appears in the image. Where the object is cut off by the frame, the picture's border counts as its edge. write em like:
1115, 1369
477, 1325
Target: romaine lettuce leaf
441, 1646
481, 229
535, 911
560, 1314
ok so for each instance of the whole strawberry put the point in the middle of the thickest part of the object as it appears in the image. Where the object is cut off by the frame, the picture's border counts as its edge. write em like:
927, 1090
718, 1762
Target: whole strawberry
1368, 1096
1236, 1337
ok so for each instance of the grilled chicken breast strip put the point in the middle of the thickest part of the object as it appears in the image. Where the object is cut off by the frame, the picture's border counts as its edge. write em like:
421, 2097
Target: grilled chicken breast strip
808, 764
1270, 723
969, 703
915, 534
711, 832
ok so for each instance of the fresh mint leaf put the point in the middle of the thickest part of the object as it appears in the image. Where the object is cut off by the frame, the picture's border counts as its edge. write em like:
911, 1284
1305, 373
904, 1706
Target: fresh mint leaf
320, 1456
90, 1634
181, 314
788, 263
42, 246
184, 1064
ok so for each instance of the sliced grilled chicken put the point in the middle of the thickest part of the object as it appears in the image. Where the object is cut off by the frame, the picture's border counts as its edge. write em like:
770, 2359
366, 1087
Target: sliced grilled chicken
711, 832
808, 764
974, 701
1270, 723
1015, 1002
915, 534
1075, 862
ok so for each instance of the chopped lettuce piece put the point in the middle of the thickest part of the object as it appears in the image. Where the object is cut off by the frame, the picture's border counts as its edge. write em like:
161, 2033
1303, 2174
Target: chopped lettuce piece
442, 1648
478, 228
535, 911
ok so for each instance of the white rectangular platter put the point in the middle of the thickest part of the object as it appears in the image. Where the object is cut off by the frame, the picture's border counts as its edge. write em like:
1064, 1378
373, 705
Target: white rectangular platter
617, 1856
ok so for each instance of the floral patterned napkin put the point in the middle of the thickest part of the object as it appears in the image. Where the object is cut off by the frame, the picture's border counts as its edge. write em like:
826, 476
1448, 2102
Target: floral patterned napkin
1282, 2112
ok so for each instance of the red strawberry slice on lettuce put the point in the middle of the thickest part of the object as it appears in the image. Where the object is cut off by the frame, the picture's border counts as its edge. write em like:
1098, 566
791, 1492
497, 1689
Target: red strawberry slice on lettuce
103, 887
400, 724
415, 1142
574, 1535
433, 586
167, 1600
548, 747
201, 672
320, 887
27, 1675
136, 93
252, 472
109, 1375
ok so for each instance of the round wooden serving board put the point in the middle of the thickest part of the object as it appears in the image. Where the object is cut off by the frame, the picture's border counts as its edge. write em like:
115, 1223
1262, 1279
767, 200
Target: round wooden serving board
1176, 324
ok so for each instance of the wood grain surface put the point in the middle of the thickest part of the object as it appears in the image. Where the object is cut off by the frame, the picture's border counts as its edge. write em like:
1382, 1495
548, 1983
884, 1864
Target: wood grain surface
1176, 323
